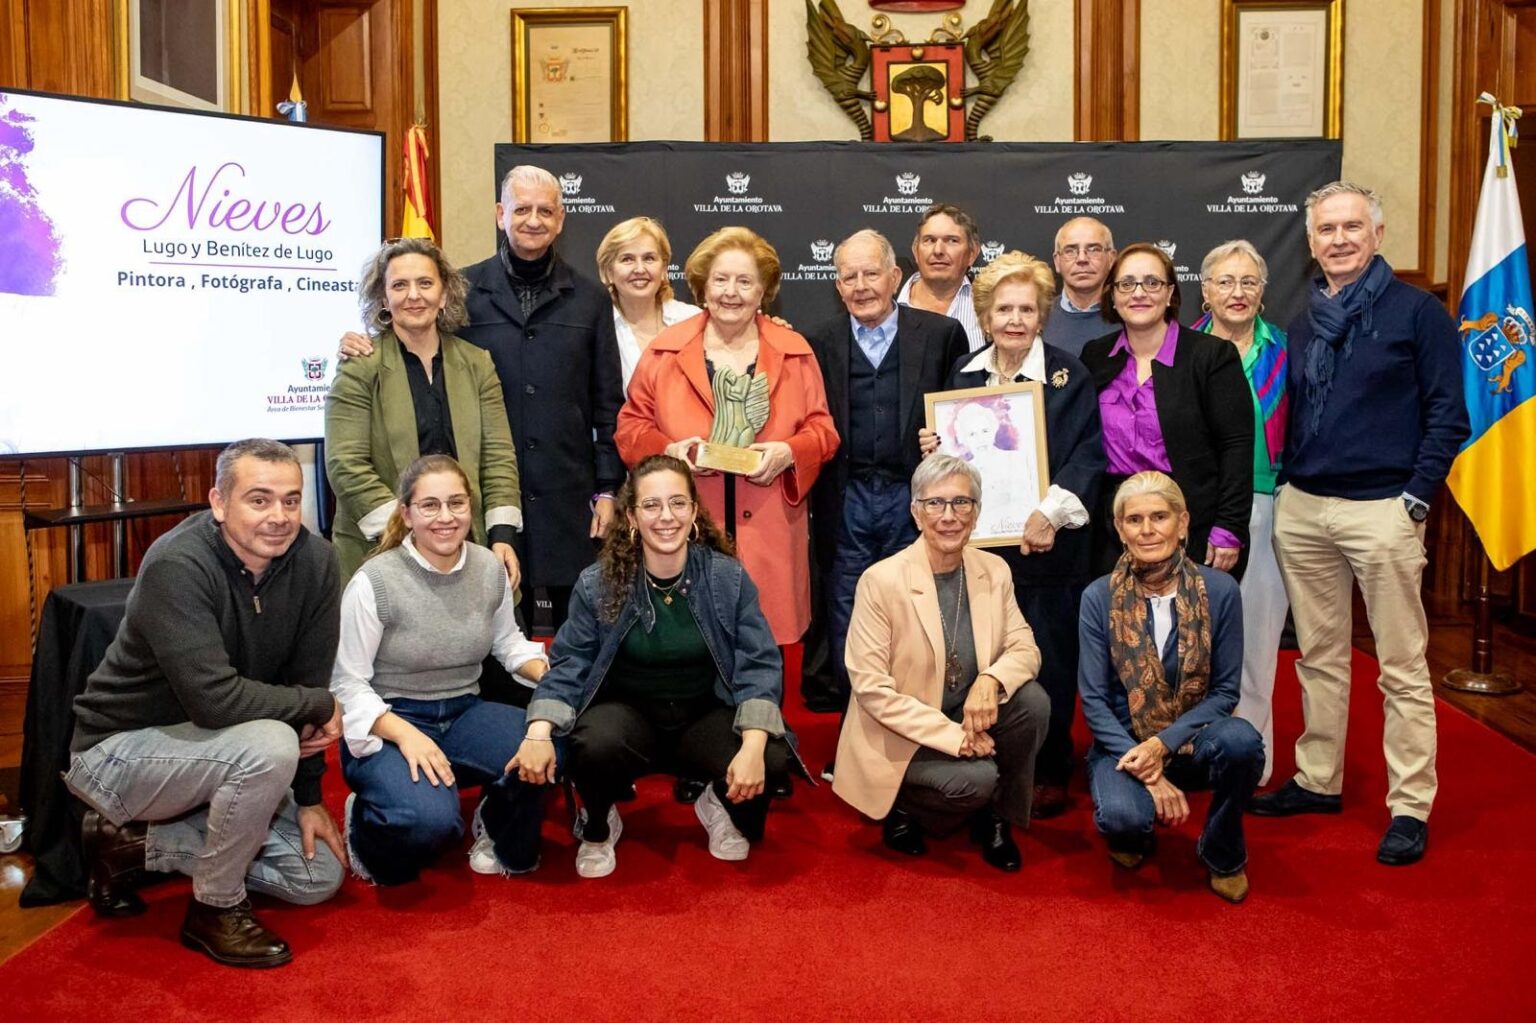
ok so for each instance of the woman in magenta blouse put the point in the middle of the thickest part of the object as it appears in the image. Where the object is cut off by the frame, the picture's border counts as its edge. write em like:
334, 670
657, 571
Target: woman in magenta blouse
1172, 400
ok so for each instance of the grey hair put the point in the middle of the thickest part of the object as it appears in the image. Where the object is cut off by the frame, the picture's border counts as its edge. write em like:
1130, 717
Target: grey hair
370, 294
528, 174
259, 448
937, 468
1334, 188
869, 234
1236, 247
1150, 484
1109, 236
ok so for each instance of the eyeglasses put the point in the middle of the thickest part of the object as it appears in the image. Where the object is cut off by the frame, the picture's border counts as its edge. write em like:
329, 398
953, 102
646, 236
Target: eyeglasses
961, 506
1151, 285
1093, 251
652, 506
1251, 285
431, 507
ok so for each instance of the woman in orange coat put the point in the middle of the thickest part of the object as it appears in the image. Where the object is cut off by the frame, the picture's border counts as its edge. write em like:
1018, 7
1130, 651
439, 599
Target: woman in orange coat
762, 380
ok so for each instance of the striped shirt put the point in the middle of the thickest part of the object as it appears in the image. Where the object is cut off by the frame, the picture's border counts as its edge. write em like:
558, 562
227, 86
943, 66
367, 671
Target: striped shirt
961, 309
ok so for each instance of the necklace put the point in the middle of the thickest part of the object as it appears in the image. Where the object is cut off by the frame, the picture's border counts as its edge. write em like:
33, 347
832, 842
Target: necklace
665, 591
951, 655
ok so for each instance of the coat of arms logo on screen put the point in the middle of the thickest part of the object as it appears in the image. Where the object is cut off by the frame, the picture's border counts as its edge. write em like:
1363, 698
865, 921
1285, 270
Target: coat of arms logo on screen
821, 250
1079, 183
737, 183
1499, 346
314, 368
1253, 183
916, 89
570, 185
990, 251
907, 184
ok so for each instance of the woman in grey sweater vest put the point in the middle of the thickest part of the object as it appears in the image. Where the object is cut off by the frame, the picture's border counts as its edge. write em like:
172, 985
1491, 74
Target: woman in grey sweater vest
417, 620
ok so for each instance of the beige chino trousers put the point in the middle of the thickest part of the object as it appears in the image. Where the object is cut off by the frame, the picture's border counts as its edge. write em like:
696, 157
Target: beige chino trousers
1321, 543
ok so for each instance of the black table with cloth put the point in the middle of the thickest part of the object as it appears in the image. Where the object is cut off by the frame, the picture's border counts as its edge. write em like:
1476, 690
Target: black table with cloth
78, 623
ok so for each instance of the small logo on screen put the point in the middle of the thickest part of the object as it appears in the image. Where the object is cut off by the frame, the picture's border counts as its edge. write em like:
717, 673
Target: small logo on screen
314, 369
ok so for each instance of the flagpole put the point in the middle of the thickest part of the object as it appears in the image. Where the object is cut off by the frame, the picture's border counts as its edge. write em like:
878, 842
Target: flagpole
1481, 678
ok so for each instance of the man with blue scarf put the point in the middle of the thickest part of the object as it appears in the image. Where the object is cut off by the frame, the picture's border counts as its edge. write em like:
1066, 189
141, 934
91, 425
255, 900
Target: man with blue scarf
1378, 415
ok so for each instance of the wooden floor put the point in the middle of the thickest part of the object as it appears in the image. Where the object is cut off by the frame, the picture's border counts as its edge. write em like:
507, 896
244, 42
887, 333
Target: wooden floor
1449, 647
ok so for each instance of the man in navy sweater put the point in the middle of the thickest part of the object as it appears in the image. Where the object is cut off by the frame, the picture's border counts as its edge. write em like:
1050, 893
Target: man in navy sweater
1377, 415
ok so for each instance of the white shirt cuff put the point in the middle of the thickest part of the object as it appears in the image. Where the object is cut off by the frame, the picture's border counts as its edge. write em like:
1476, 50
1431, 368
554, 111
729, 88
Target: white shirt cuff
372, 525
1063, 509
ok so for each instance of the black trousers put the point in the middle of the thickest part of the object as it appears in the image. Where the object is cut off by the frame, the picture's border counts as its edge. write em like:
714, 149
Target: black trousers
615, 742
1052, 612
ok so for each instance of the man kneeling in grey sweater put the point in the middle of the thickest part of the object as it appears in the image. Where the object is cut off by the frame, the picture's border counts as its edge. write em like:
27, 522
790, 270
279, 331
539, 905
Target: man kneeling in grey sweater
210, 706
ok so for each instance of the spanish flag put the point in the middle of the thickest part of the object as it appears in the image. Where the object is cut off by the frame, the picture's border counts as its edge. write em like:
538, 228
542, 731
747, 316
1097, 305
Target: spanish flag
417, 221
1491, 477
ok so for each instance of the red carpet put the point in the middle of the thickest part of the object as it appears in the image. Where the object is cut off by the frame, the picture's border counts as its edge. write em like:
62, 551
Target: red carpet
821, 923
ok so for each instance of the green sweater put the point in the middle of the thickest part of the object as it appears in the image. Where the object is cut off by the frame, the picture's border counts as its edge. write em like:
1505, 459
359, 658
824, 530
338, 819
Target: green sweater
669, 663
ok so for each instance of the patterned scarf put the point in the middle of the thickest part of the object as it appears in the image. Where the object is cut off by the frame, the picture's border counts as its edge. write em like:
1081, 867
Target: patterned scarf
1266, 377
1154, 704
1336, 321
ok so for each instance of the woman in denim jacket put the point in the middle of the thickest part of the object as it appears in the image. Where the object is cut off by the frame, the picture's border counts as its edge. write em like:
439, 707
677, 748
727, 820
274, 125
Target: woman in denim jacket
666, 664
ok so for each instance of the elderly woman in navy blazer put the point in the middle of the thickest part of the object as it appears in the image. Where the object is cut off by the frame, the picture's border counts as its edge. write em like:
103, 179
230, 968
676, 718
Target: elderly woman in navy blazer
1014, 295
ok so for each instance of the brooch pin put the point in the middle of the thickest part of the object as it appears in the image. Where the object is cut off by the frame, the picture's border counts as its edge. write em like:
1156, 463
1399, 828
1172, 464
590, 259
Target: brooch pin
1059, 378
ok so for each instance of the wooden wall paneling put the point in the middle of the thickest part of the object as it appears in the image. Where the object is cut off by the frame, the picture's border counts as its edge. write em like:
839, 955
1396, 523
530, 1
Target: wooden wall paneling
72, 46
25, 580
430, 112
736, 70
1422, 276
13, 44
1107, 87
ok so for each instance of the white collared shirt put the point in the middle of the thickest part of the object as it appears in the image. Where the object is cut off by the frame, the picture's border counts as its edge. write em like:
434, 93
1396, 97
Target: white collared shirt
1062, 508
361, 633
961, 308
672, 311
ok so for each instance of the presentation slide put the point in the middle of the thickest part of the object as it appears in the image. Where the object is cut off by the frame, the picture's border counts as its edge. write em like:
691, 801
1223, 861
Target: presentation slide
173, 279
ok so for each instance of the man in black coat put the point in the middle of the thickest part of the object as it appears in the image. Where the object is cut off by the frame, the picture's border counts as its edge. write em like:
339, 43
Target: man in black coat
550, 333
876, 362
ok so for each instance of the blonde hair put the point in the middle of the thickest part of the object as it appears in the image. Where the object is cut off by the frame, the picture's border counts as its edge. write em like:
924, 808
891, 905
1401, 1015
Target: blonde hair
622, 234
1013, 266
395, 531
1150, 484
743, 239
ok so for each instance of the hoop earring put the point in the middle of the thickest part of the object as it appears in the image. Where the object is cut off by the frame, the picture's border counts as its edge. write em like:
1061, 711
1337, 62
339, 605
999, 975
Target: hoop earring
1261, 308
385, 316
1205, 307
697, 534
632, 534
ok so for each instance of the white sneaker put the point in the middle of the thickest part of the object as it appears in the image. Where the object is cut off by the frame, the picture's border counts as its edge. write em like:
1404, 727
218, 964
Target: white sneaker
596, 859
725, 842
482, 855
346, 840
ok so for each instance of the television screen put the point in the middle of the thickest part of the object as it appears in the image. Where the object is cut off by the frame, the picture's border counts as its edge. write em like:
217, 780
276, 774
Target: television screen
174, 279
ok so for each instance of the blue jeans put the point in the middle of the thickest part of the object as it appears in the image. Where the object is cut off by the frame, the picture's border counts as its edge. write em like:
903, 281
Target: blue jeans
399, 826
218, 806
1228, 758
877, 523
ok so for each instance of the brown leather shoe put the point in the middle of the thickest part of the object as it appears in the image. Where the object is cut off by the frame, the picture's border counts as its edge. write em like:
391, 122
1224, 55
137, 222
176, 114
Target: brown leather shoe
114, 865
1049, 801
1232, 887
1126, 859
232, 936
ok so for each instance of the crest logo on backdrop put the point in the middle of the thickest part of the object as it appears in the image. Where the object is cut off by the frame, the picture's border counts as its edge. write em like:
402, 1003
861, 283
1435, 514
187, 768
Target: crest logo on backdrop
820, 268
574, 201
737, 201
906, 199
738, 183
1170, 249
1082, 201
991, 250
821, 250
1253, 199
907, 184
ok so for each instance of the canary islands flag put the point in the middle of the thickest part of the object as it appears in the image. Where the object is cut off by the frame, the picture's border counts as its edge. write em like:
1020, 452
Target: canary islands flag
1491, 477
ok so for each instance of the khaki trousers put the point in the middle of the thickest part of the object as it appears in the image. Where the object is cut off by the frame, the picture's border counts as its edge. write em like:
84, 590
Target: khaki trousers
1320, 543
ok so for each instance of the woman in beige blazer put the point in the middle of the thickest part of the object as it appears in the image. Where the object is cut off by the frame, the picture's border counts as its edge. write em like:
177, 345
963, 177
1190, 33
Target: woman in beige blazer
421, 391
945, 718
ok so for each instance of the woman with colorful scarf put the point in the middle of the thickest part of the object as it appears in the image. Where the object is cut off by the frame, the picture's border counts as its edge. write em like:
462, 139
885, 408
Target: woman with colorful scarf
1161, 651
1232, 279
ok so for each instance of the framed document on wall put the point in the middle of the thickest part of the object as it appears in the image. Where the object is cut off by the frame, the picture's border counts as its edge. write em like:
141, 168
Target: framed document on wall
180, 53
1282, 69
570, 74
1000, 431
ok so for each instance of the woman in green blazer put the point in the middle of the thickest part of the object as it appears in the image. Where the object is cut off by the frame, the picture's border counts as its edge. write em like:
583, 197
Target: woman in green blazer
422, 391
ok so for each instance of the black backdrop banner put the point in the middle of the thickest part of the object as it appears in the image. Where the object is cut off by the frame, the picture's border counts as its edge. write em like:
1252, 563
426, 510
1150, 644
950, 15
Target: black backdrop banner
804, 197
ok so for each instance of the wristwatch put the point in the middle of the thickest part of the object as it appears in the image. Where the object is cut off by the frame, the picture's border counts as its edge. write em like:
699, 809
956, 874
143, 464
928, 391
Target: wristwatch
1418, 511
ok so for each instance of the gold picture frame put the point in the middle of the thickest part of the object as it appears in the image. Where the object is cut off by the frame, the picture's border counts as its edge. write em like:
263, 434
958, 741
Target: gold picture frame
570, 74
222, 44
1010, 454
1282, 69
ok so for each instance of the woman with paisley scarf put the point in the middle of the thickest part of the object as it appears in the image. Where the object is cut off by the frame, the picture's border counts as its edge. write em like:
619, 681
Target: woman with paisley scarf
1161, 652
735, 378
1232, 280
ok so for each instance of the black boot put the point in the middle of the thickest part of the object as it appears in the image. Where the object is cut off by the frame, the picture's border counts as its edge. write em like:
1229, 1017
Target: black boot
995, 837
114, 865
901, 832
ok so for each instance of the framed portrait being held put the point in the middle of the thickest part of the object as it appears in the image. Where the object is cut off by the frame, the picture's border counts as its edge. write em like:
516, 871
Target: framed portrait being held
1001, 431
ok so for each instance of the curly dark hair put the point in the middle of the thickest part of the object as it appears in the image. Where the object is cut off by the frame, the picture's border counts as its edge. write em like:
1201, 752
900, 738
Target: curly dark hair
622, 554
